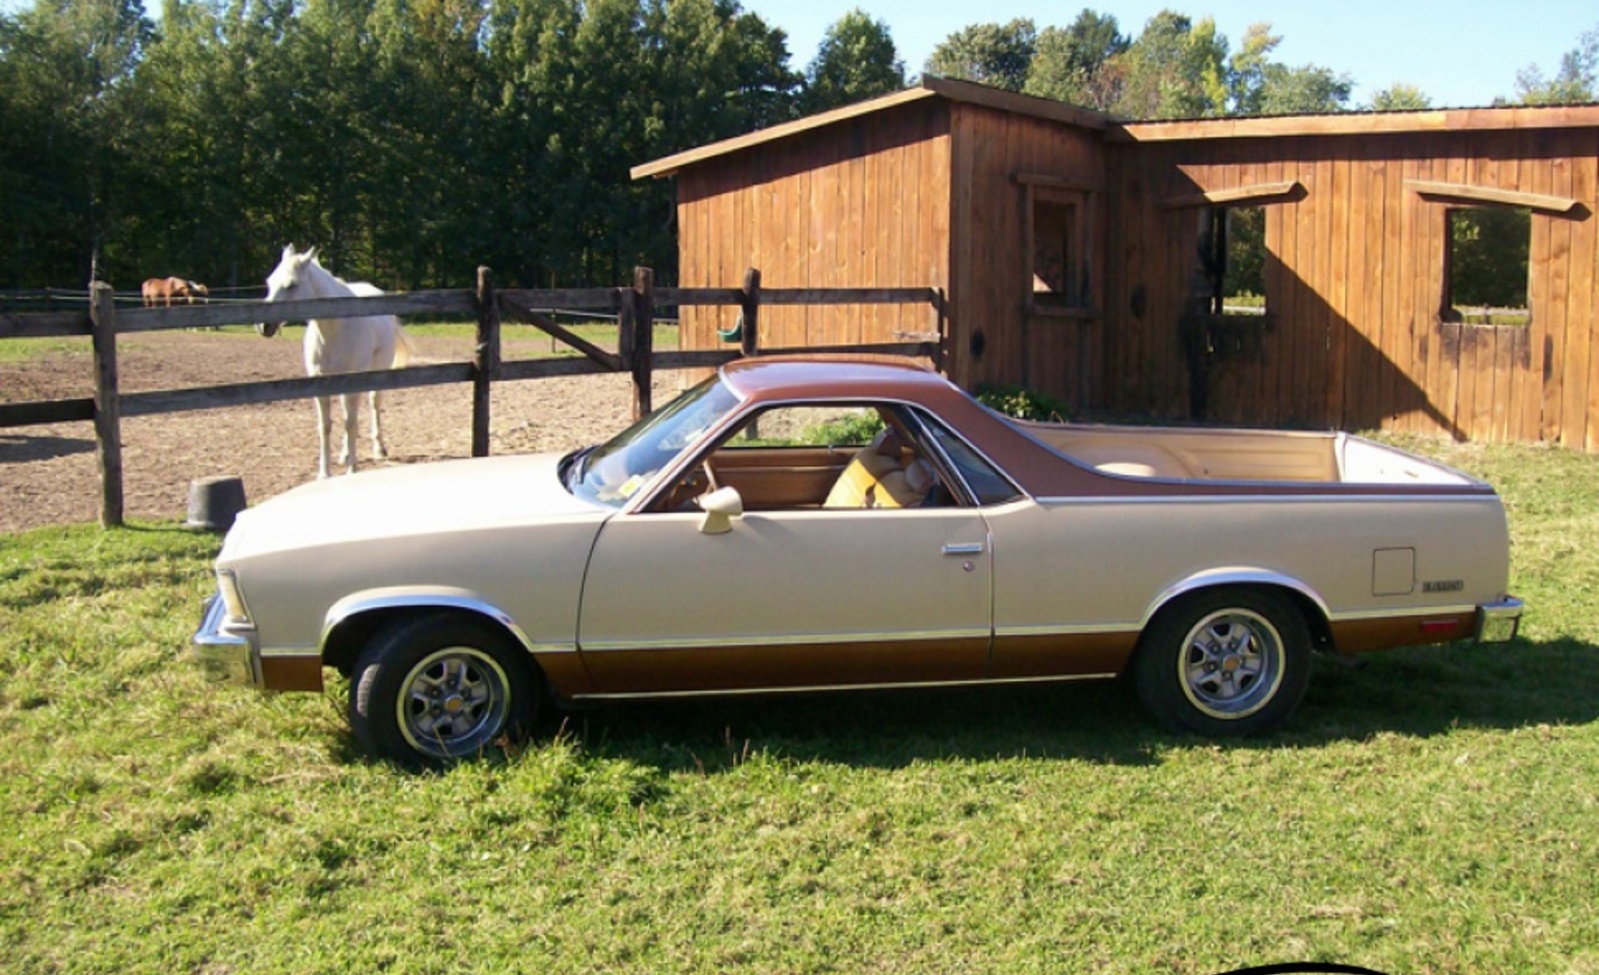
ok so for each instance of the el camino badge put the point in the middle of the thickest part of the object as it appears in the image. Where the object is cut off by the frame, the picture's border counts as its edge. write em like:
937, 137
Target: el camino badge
1444, 585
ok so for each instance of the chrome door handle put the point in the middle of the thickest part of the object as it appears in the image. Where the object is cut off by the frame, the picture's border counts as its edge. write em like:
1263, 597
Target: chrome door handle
967, 548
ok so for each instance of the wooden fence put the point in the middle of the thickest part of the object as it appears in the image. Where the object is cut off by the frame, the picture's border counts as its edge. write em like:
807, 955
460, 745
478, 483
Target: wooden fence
633, 307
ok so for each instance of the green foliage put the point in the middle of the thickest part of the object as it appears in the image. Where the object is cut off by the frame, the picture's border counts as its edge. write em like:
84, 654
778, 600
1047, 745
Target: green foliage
991, 54
1488, 256
1577, 79
1079, 64
412, 140
857, 428
1431, 812
1400, 98
857, 61
1022, 403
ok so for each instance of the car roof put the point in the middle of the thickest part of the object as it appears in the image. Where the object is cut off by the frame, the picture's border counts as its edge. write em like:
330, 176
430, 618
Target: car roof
834, 376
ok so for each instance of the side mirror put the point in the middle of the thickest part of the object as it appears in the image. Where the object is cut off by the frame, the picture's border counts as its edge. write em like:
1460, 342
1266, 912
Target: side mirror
721, 507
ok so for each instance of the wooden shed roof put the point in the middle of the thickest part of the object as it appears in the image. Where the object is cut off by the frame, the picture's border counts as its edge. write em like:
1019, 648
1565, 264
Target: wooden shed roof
1363, 123
929, 87
1121, 130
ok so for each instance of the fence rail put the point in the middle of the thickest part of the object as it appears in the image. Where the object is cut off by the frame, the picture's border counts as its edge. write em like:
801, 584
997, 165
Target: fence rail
633, 307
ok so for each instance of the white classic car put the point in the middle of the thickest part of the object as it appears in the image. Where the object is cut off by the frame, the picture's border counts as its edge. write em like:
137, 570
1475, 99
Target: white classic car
798, 524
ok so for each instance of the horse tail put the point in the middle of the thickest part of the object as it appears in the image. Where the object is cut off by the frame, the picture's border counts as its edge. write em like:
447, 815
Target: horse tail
402, 347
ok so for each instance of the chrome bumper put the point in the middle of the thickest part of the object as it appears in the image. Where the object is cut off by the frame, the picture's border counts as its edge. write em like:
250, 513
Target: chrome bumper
1498, 622
225, 656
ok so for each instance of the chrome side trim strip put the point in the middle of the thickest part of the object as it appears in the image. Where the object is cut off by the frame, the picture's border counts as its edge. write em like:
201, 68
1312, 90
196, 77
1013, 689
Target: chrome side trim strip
1389, 614
1055, 629
821, 688
813, 639
1214, 499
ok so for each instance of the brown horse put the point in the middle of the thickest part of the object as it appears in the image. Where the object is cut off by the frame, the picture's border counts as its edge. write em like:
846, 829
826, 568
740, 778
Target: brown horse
163, 290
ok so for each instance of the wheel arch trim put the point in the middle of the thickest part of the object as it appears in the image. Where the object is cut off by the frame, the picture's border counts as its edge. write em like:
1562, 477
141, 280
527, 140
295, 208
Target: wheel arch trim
428, 598
1230, 577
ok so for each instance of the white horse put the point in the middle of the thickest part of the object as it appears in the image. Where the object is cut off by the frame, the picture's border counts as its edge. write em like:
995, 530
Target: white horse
337, 345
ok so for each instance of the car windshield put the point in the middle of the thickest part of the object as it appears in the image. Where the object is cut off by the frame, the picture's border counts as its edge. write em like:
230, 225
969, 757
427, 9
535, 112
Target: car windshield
615, 470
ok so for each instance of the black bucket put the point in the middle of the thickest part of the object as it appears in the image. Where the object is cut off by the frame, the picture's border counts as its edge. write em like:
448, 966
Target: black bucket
214, 502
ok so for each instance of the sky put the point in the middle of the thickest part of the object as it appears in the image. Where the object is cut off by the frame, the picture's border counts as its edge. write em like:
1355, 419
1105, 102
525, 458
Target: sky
1462, 54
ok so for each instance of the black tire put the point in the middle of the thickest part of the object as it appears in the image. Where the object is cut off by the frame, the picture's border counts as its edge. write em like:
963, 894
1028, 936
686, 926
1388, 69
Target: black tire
1225, 662
441, 688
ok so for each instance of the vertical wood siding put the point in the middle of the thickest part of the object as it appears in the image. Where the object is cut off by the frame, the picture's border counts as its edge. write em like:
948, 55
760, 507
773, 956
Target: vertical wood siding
1354, 282
862, 205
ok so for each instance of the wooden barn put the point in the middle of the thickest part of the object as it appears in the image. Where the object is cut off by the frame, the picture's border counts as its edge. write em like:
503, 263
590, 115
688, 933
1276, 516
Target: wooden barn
1085, 257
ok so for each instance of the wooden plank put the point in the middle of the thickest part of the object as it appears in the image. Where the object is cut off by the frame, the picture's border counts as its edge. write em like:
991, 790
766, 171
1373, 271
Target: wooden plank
1551, 307
1268, 388
1361, 332
485, 360
1587, 186
1577, 317
1468, 194
1403, 245
518, 313
107, 404
1449, 373
46, 411
46, 324
1339, 326
1257, 194
243, 394
1363, 124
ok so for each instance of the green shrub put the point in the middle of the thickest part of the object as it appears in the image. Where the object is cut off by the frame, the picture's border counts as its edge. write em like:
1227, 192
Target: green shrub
1023, 404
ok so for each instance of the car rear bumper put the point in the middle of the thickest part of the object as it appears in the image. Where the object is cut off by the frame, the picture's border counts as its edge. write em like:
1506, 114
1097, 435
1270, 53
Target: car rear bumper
1498, 622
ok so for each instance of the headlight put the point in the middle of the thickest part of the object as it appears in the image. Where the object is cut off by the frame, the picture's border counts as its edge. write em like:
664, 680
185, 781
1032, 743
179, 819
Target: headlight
228, 587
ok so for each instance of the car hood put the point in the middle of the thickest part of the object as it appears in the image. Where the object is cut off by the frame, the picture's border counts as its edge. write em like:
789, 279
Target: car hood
413, 500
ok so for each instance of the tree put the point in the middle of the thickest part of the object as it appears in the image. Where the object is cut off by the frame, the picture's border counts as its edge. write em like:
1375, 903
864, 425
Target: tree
1258, 85
1175, 69
856, 61
1079, 64
990, 54
1400, 97
1576, 81
69, 81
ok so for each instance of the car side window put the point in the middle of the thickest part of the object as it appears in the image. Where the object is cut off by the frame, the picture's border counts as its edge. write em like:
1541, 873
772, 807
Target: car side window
984, 480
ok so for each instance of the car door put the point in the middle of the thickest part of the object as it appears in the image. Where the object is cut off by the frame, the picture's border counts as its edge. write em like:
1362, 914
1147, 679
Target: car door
787, 599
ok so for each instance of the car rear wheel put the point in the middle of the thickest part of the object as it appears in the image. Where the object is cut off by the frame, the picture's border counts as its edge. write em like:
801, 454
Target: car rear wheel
1225, 662
434, 689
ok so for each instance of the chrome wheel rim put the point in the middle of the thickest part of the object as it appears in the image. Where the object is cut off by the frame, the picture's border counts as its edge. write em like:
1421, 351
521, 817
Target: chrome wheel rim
454, 702
1232, 663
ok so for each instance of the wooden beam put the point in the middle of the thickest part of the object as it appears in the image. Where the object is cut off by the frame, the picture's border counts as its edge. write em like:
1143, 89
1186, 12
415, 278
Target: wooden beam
1435, 192
610, 360
1255, 195
1362, 123
1057, 182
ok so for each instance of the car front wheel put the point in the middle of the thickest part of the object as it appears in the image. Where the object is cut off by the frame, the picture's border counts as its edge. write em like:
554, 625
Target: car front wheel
434, 689
1224, 663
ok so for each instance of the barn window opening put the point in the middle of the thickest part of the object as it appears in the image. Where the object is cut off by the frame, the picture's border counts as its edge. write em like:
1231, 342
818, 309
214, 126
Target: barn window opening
1059, 252
1232, 254
1485, 265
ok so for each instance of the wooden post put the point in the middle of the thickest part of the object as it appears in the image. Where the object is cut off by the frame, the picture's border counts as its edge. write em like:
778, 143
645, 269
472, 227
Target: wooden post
485, 360
107, 405
642, 366
751, 304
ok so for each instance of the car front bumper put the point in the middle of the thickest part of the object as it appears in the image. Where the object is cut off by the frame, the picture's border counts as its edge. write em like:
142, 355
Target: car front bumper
225, 655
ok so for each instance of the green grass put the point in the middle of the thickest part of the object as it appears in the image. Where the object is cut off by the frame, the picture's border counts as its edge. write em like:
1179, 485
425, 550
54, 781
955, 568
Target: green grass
1434, 812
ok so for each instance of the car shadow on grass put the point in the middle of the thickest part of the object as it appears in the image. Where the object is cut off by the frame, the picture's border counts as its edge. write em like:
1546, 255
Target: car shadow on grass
1418, 692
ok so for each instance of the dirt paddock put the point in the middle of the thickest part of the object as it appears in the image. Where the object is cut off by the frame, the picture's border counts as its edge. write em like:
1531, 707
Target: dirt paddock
49, 474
